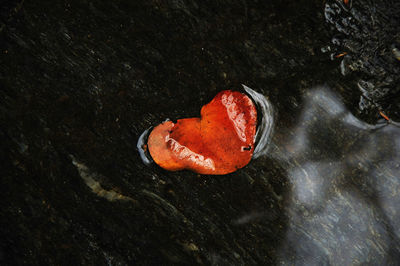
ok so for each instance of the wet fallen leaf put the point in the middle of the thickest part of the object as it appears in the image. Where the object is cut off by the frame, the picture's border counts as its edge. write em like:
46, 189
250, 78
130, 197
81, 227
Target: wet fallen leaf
220, 142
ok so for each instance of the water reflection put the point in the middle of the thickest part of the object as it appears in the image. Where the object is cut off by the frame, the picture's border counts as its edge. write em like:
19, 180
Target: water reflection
344, 204
265, 123
141, 143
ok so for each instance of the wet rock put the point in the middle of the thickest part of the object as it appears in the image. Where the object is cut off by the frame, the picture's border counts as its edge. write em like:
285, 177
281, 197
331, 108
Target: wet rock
86, 78
368, 32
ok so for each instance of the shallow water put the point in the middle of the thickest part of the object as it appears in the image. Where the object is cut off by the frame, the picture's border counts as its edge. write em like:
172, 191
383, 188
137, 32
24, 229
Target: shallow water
344, 176
82, 81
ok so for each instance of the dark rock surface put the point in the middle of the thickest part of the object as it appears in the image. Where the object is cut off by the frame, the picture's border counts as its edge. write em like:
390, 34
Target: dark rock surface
81, 80
368, 32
